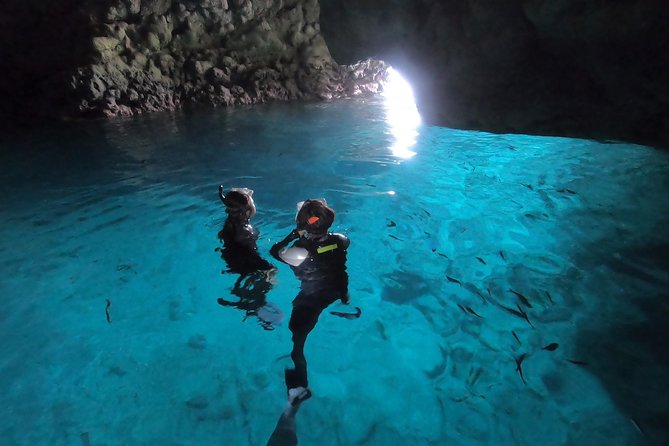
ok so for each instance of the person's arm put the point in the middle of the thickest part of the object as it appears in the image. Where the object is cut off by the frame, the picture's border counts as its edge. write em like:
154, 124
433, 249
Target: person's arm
344, 242
277, 247
292, 256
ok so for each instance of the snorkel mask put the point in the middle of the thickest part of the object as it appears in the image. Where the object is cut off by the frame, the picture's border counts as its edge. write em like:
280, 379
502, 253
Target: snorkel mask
314, 216
238, 201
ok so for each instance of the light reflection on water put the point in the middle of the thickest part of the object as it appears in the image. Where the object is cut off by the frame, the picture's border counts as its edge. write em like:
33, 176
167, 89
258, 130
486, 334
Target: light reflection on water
401, 114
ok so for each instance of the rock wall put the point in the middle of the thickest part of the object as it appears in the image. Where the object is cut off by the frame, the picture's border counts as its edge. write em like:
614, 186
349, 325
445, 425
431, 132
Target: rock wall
121, 57
597, 69
594, 68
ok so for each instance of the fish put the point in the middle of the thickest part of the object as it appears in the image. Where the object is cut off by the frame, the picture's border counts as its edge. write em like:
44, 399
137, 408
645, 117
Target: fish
481, 260
550, 298
519, 368
357, 314
636, 425
440, 368
569, 191
428, 214
524, 315
472, 289
451, 279
469, 310
577, 362
515, 336
391, 224
551, 347
529, 186
442, 254
464, 310
107, 310
522, 298
395, 237
501, 254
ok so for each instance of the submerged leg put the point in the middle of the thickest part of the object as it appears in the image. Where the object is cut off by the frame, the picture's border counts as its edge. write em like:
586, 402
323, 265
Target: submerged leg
306, 310
285, 431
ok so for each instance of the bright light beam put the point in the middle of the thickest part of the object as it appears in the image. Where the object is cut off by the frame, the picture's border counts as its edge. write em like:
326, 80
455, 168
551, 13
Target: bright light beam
401, 114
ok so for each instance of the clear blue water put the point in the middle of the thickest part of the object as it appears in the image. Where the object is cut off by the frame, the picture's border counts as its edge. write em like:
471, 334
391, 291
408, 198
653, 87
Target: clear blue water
127, 210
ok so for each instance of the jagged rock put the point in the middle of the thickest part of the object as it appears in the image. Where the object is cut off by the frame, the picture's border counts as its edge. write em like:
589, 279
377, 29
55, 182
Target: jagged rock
213, 52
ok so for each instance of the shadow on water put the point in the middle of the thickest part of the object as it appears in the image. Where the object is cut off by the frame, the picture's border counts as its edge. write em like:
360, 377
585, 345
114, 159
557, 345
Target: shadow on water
629, 353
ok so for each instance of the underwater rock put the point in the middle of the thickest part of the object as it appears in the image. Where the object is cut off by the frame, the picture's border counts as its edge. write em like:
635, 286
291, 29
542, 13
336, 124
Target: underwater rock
197, 342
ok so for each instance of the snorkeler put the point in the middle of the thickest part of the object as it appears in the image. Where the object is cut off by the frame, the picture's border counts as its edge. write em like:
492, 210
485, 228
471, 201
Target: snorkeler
318, 259
240, 253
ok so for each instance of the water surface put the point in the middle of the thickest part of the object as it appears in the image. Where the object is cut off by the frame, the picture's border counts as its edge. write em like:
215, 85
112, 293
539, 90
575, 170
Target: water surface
127, 210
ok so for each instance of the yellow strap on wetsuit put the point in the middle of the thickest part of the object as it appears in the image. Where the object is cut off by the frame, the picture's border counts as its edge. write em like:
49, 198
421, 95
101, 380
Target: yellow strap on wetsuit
326, 248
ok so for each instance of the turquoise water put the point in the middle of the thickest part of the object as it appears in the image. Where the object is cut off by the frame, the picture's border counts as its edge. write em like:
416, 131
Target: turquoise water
127, 211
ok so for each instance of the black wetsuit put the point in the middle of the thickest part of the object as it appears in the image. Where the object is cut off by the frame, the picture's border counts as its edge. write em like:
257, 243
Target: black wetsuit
323, 279
240, 253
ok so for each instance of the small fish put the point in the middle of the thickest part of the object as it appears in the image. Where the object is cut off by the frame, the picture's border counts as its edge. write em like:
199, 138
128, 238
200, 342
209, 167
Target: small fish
551, 347
501, 254
442, 254
451, 279
636, 426
529, 186
522, 298
512, 148
355, 315
391, 224
481, 260
489, 293
515, 336
474, 312
428, 214
577, 362
550, 298
524, 315
519, 368
395, 237
464, 310
107, 310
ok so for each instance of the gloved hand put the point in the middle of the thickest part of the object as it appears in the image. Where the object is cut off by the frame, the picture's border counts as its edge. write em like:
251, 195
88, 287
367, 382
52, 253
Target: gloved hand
297, 233
294, 234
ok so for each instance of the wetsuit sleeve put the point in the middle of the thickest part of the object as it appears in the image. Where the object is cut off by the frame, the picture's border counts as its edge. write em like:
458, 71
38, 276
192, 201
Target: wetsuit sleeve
343, 240
274, 250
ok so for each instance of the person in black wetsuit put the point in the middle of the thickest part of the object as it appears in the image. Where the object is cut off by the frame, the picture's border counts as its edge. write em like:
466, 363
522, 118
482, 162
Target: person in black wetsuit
318, 259
240, 253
